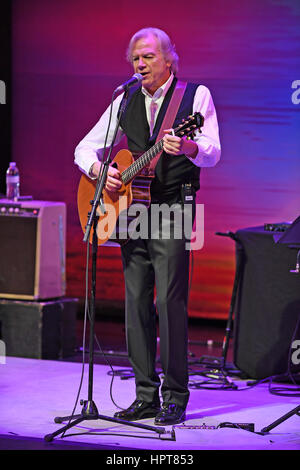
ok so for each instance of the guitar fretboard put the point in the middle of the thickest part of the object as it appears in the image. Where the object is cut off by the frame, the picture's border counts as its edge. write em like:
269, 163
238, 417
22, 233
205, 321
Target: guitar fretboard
188, 127
130, 172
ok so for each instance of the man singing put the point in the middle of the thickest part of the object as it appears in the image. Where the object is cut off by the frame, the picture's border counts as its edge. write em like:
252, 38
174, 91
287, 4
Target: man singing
158, 261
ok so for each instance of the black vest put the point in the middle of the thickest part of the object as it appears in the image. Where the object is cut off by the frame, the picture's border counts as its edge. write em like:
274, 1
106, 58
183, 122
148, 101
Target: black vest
171, 171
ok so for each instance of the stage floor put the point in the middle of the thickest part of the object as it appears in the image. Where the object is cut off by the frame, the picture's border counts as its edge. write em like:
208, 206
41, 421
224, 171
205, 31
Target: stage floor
34, 392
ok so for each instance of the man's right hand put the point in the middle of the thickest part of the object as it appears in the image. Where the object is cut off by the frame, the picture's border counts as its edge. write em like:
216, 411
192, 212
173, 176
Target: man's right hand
113, 182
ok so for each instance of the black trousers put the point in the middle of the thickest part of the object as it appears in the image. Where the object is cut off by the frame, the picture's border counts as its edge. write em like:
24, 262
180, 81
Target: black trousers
163, 263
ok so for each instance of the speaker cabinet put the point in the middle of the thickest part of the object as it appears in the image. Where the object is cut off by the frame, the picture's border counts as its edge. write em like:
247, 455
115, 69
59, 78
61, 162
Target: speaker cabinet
32, 249
268, 308
39, 330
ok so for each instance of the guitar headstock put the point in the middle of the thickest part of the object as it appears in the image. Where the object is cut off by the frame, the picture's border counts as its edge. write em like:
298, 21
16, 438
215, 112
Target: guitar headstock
189, 125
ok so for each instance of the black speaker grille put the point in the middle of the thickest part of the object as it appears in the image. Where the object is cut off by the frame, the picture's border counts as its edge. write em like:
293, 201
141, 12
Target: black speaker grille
18, 236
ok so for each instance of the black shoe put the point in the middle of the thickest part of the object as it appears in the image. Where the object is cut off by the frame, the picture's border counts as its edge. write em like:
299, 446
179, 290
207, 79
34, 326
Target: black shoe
138, 410
170, 413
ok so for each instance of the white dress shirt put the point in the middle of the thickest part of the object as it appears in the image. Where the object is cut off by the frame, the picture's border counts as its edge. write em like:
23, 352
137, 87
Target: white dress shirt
90, 149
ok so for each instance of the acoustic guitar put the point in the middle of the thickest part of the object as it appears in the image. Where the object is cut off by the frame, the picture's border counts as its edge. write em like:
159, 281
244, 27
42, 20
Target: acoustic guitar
136, 175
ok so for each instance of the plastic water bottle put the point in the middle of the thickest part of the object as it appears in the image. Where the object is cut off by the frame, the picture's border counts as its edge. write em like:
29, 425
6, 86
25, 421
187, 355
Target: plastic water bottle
12, 182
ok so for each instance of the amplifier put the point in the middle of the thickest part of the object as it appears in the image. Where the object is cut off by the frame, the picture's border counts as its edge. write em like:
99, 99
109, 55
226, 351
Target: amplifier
32, 249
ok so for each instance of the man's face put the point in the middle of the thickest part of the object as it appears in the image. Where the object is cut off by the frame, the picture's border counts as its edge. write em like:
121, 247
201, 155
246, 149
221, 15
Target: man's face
148, 60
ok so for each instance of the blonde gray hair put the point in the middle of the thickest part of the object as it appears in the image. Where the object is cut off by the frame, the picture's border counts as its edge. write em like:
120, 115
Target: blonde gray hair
167, 48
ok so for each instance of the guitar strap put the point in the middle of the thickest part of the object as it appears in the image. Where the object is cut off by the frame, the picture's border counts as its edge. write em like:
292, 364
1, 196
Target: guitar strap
168, 119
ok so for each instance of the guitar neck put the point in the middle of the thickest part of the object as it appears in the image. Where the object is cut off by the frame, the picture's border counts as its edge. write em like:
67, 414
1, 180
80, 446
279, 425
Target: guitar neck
184, 129
130, 172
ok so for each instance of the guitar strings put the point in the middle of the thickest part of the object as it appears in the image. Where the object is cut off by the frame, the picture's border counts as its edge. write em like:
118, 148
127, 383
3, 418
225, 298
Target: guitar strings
144, 159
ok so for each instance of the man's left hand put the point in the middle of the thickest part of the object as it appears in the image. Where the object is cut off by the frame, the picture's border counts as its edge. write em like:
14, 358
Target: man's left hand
174, 145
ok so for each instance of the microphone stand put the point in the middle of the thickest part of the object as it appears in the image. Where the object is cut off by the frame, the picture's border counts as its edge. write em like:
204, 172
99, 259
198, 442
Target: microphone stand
89, 410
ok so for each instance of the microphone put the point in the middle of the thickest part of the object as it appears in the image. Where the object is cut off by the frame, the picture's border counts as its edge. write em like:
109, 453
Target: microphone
135, 79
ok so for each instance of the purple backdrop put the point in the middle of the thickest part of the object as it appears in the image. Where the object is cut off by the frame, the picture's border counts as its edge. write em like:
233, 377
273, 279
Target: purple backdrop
68, 57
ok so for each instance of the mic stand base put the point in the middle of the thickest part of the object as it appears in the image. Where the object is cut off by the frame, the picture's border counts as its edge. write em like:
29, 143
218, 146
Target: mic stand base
89, 412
